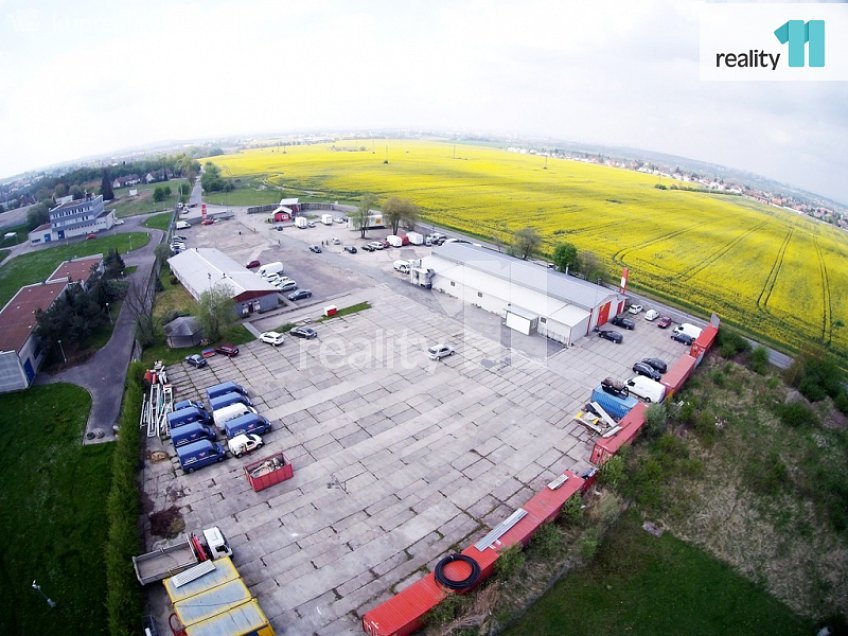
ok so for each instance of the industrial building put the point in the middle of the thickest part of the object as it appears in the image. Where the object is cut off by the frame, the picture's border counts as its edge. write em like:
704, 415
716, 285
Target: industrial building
531, 298
20, 353
201, 269
74, 218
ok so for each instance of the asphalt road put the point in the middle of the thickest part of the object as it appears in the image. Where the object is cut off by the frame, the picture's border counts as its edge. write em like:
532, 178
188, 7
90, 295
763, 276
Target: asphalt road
104, 374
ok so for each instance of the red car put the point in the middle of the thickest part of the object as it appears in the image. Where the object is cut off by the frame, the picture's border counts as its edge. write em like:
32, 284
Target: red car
90, 237
229, 350
253, 264
664, 322
208, 221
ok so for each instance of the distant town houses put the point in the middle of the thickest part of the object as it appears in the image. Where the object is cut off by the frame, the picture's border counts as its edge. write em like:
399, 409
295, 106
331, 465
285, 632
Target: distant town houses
703, 183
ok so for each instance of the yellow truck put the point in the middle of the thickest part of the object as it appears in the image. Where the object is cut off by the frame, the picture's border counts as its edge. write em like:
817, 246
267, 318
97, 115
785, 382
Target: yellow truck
212, 600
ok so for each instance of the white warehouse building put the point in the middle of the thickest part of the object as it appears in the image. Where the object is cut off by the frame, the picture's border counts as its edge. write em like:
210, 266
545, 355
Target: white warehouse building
530, 297
201, 268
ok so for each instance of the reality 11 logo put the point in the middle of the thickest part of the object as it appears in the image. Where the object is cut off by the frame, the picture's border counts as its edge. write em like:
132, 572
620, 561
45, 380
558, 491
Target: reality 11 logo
798, 33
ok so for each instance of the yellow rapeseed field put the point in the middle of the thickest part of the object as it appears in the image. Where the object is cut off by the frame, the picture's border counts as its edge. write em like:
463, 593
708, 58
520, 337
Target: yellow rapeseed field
773, 272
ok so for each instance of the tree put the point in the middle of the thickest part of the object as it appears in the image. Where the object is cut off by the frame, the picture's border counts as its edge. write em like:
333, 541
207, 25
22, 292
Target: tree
361, 214
185, 189
38, 214
217, 311
398, 210
60, 190
113, 263
591, 267
106, 186
565, 257
526, 241
77, 192
159, 194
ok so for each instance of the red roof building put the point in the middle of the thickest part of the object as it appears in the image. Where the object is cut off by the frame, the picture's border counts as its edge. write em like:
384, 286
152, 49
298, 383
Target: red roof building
76, 271
20, 355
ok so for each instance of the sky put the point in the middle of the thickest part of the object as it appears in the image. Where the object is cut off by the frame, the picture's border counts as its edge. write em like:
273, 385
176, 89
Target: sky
95, 76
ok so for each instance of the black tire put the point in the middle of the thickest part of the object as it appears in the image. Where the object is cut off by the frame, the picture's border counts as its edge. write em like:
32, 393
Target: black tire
463, 584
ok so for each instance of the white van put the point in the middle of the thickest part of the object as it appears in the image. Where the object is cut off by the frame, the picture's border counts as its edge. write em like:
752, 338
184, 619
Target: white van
690, 330
646, 388
270, 268
401, 266
302, 222
183, 225
230, 412
327, 219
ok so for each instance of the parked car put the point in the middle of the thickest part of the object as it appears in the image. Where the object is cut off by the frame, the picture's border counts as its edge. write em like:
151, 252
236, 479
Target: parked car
336, 241
647, 370
652, 314
196, 360
229, 350
682, 337
311, 224
272, 338
376, 245
304, 332
658, 364
664, 322
439, 351
385, 245
368, 248
286, 284
253, 264
300, 294
621, 321
340, 219
609, 334
242, 444
635, 309
90, 237
350, 249
207, 221
179, 237
315, 248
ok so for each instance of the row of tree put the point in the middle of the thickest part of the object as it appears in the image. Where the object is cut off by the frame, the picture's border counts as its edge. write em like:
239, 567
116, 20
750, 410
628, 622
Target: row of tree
212, 181
395, 210
81, 311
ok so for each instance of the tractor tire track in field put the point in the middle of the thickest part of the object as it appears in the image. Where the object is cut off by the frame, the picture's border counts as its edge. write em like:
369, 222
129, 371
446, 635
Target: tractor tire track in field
827, 314
618, 257
719, 253
768, 288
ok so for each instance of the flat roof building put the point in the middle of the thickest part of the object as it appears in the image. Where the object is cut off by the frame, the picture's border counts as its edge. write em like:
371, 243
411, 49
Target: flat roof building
530, 297
201, 268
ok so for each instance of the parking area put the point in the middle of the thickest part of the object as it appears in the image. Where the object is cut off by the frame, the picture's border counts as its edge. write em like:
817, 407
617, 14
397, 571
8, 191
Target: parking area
396, 458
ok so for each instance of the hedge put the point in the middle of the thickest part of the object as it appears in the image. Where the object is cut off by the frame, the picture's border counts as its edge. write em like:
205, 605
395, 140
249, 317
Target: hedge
124, 595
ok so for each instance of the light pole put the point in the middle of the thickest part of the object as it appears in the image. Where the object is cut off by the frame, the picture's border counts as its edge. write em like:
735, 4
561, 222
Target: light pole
108, 313
37, 588
62, 349
209, 274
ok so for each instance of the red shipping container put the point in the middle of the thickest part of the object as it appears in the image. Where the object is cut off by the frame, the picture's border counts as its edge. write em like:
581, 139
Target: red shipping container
703, 342
677, 375
404, 613
630, 424
269, 471
547, 503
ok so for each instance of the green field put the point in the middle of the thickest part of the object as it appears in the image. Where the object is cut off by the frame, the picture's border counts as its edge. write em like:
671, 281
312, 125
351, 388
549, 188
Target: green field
143, 203
776, 274
638, 584
160, 221
52, 513
36, 266
249, 195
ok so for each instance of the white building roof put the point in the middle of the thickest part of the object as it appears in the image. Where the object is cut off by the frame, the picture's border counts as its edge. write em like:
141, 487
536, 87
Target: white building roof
544, 280
291, 201
203, 267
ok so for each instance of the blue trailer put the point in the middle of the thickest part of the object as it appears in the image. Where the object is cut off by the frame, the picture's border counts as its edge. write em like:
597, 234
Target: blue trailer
617, 407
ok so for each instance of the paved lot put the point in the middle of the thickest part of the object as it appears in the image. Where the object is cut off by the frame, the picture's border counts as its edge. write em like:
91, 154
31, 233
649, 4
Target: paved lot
396, 458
